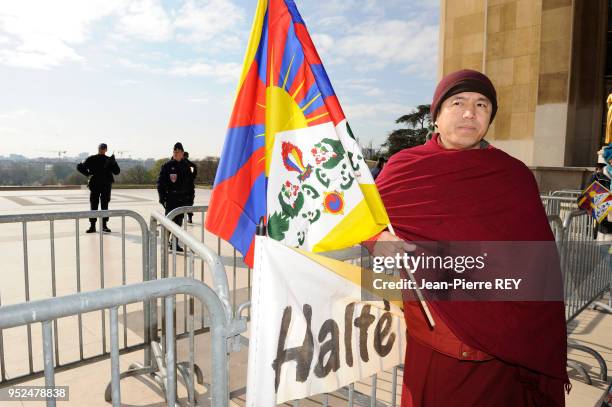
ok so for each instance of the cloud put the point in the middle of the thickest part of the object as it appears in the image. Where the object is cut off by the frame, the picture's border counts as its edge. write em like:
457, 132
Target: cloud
199, 22
372, 35
140, 67
13, 114
146, 20
45, 34
323, 42
42, 34
378, 44
201, 100
432, 4
331, 22
129, 82
332, 7
224, 72
385, 110
365, 86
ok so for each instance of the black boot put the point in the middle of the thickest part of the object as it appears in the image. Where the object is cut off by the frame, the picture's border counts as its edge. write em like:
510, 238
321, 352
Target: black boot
179, 249
92, 228
105, 228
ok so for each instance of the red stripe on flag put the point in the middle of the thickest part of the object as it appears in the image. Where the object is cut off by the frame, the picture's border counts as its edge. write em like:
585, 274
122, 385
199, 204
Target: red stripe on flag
248, 259
233, 194
246, 109
335, 111
319, 111
298, 78
307, 45
309, 79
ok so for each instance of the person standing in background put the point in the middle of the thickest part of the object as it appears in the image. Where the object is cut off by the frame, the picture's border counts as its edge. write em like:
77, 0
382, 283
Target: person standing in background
100, 169
378, 168
174, 184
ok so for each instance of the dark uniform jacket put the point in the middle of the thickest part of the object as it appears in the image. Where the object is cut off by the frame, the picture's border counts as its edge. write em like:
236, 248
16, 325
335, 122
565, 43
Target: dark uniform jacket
601, 178
174, 182
101, 169
194, 173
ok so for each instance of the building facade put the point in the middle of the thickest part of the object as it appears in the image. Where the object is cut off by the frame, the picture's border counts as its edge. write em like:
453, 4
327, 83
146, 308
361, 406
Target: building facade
548, 61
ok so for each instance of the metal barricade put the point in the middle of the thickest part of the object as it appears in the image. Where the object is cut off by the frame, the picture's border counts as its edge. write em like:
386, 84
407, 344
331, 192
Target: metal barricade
240, 290
556, 226
193, 248
587, 275
585, 262
230, 268
567, 193
364, 393
558, 205
222, 328
31, 281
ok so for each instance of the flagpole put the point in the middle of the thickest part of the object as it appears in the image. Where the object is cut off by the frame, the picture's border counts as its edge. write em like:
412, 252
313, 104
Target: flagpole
416, 288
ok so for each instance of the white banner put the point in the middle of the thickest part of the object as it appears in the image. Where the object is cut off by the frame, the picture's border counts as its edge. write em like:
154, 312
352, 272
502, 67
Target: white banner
310, 331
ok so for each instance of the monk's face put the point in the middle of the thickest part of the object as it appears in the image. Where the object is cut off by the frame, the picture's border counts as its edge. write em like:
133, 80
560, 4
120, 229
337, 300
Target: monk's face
464, 120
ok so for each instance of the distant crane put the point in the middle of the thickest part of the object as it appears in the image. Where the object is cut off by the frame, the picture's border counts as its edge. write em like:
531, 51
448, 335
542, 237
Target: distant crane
122, 152
59, 153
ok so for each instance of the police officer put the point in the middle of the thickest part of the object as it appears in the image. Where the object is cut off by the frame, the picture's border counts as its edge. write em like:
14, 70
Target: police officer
194, 173
174, 184
100, 169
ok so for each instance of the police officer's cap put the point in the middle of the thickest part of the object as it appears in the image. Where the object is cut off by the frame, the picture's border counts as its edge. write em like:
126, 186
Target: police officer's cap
179, 146
103, 146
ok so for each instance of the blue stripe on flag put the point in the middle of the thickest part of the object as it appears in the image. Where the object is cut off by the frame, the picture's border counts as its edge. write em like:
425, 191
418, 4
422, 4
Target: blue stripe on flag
293, 50
314, 106
322, 79
254, 209
240, 143
293, 11
312, 92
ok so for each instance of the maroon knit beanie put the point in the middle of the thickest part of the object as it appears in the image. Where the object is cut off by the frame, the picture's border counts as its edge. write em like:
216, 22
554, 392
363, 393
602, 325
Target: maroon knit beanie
465, 80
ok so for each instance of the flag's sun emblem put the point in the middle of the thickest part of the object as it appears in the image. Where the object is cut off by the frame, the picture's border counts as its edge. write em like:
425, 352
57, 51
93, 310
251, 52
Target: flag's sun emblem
292, 159
293, 99
333, 202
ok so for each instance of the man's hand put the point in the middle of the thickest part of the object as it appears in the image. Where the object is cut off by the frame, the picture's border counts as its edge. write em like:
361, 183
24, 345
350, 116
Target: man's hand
82, 168
388, 245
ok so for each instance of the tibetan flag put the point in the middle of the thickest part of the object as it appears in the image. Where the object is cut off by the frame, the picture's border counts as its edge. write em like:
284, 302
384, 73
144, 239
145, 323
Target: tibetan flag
289, 154
592, 196
601, 211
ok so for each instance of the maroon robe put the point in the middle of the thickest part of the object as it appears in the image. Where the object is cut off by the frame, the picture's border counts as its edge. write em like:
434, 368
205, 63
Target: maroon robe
433, 194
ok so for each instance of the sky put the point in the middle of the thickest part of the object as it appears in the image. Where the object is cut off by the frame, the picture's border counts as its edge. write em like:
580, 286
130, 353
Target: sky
140, 75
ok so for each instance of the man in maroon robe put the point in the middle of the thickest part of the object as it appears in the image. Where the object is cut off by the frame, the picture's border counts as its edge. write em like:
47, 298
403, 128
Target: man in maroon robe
458, 188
